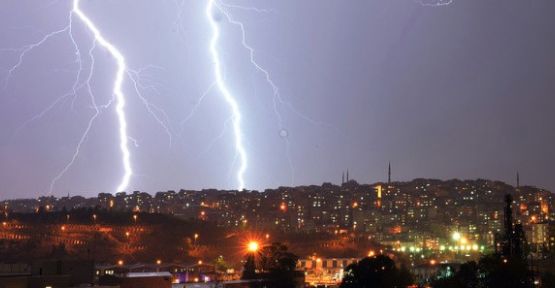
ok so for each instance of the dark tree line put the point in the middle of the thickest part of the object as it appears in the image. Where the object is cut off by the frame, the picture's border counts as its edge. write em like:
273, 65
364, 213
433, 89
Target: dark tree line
378, 271
272, 266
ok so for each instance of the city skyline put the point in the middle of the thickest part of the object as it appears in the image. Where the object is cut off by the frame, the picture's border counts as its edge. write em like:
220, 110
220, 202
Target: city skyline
461, 90
340, 181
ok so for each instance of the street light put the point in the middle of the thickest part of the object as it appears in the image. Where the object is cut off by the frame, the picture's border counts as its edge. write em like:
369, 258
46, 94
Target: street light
456, 236
252, 246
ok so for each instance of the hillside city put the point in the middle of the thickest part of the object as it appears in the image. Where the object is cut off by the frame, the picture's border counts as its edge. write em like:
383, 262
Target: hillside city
428, 225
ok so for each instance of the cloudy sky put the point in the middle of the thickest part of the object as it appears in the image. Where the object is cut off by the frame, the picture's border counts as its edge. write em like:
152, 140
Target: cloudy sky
465, 90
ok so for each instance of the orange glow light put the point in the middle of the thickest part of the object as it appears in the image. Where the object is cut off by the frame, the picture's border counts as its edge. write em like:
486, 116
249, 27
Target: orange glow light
252, 246
282, 207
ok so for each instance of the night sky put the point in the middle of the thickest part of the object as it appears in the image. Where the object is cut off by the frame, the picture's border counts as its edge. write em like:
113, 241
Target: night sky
465, 90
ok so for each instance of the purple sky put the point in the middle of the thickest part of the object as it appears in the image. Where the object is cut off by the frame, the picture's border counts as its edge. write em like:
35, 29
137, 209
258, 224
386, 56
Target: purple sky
459, 91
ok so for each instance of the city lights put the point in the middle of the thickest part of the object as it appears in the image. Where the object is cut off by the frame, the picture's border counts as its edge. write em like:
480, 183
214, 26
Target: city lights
450, 100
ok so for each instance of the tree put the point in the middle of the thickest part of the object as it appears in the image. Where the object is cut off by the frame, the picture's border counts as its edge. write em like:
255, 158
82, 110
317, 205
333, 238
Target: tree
277, 257
500, 271
466, 277
220, 264
277, 266
548, 280
378, 271
249, 270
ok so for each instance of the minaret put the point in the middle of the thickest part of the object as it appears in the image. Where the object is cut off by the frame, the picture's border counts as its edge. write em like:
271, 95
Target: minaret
517, 181
343, 178
347, 175
389, 175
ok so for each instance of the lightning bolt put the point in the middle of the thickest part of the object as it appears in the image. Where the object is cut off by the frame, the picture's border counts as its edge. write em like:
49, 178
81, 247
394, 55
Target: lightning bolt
246, 8
26, 49
117, 92
434, 3
229, 98
89, 124
197, 104
276, 96
118, 96
134, 76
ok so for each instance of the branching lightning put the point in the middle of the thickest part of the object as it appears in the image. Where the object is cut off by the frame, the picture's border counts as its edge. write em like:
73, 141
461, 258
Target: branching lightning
23, 51
434, 3
89, 124
276, 96
117, 91
134, 77
277, 99
118, 96
197, 103
229, 98
246, 8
